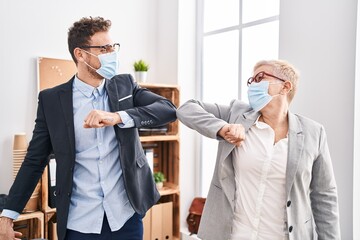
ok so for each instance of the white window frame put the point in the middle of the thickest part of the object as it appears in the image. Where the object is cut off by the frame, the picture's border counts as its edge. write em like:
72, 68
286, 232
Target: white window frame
199, 66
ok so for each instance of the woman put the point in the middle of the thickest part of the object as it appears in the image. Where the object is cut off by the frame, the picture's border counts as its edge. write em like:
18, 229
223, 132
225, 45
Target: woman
273, 176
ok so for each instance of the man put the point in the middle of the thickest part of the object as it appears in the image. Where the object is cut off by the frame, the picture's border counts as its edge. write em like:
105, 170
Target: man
104, 184
273, 177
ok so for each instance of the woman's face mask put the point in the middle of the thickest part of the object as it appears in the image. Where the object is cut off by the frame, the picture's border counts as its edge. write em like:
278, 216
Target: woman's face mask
109, 63
258, 94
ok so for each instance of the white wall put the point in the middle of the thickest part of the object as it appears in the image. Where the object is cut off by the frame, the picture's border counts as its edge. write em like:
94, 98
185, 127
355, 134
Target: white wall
167, 41
319, 37
356, 181
186, 78
176, 60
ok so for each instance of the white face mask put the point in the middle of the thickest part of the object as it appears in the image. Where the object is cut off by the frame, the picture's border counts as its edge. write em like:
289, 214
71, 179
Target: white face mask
109, 63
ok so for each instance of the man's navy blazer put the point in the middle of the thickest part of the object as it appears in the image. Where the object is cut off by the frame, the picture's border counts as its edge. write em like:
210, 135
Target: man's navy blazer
54, 132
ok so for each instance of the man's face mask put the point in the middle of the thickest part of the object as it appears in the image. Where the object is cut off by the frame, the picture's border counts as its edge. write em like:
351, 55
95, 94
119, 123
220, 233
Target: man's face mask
108, 64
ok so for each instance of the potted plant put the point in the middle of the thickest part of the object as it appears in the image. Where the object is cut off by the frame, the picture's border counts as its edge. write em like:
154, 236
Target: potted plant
141, 68
159, 179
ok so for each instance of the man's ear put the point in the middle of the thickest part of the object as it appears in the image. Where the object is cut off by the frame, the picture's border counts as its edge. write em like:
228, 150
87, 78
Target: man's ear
79, 55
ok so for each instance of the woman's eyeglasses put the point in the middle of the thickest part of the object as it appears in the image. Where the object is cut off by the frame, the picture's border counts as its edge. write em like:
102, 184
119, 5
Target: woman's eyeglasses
260, 76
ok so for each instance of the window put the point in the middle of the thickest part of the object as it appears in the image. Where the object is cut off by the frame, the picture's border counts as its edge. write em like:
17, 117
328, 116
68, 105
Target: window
232, 35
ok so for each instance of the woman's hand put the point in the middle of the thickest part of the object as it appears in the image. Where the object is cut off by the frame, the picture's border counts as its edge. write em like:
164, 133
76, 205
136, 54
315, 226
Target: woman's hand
233, 133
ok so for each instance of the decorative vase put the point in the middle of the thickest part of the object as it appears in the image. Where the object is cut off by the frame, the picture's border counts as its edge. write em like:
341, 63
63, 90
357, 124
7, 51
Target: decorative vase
159, 185
140, 76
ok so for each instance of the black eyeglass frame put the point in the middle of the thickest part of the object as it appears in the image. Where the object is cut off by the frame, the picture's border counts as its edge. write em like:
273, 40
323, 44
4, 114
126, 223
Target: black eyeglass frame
105, 47
260, 76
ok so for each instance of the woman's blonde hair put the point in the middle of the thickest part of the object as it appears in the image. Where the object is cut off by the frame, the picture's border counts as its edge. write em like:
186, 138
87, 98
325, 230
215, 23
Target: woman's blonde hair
283, 70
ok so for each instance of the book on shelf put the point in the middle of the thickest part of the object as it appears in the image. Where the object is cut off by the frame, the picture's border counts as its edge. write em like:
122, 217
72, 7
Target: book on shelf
151, 151
149, 154
150, 131
52, 181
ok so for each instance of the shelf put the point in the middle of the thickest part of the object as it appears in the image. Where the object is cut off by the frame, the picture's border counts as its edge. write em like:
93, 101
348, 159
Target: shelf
157, 86
169, 188
25, 216
158, 138
166, 157
36, 229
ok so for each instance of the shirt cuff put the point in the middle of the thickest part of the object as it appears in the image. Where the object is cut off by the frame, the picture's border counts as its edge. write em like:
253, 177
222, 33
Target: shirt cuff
127, 121
10, 214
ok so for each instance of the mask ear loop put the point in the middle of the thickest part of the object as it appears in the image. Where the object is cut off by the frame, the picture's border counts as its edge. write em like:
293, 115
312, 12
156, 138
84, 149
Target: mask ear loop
89, 53
90, 66
86, 62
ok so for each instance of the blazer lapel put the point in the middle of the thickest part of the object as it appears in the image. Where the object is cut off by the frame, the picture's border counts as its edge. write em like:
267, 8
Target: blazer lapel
226, 174
66, 101
295, 148
112, 94
247, 119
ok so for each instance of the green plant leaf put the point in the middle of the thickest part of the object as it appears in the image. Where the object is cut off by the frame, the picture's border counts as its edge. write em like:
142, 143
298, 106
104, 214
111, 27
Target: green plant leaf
159, 177
141, 65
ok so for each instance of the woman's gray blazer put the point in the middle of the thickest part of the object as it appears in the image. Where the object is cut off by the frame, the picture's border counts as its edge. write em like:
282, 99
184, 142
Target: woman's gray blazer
312, 202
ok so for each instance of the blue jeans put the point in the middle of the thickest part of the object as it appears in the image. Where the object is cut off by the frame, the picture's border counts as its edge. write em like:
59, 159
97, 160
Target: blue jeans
132, 230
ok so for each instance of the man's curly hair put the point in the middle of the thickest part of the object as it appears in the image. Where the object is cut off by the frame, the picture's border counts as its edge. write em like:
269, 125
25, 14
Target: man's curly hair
81, 31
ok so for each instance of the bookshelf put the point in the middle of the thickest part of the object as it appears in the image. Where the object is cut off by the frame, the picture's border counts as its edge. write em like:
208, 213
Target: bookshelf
166, 148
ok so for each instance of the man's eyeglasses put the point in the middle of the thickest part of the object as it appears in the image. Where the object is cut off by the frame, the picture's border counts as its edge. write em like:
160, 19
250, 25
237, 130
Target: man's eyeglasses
260, 76
106, 48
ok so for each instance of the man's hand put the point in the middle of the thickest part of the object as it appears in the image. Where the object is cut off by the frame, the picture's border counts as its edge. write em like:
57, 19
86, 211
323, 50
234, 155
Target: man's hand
233, 133
98, 119
6, 229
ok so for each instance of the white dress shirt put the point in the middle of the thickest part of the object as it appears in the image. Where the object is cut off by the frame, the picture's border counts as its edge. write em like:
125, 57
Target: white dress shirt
260, 171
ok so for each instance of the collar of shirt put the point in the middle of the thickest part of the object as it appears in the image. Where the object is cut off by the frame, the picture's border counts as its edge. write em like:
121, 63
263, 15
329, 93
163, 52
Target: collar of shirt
263, 125
87, 89
260, 125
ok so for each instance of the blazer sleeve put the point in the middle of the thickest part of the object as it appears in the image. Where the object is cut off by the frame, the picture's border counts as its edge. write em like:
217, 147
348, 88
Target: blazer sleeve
324, 200
150, 109
205, 118
33, 165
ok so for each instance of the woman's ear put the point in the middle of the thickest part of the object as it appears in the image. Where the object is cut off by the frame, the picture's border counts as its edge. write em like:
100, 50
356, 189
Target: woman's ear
287, 87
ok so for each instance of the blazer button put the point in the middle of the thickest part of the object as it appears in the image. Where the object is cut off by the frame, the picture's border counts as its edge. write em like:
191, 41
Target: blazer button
290, 228
68, 194
288, 203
